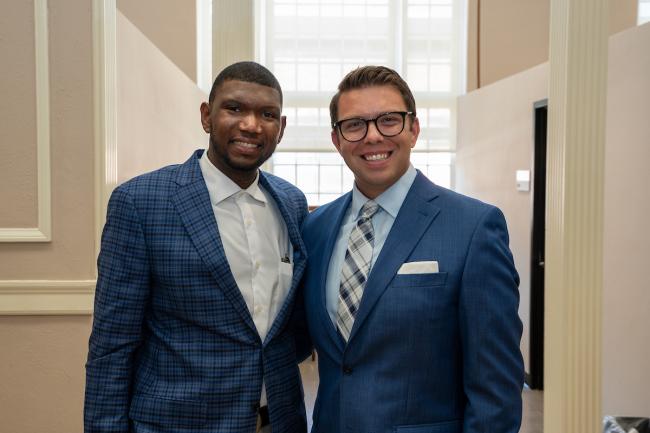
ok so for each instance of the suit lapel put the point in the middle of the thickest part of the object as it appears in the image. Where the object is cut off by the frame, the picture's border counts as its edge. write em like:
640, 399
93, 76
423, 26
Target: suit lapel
289, 215
415, 216
192, 202
335, 214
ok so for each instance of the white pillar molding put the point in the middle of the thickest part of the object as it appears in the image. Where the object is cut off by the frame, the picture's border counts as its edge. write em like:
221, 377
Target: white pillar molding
233, 33
105, 95
574, 220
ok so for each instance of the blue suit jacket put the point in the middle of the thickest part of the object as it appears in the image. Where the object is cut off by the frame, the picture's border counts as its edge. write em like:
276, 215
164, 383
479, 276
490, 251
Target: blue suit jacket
173, 346
428, 353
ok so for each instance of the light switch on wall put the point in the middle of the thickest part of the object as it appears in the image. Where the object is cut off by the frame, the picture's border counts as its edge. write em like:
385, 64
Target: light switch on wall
523, 180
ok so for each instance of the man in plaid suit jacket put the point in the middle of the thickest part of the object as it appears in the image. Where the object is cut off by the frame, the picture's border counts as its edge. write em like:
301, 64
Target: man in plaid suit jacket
178, 345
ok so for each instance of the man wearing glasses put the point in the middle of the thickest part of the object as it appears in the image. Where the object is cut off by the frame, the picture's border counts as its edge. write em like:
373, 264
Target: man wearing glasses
410, 290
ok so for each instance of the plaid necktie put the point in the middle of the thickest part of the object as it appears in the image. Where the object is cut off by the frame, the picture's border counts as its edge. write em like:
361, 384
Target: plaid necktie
356, 268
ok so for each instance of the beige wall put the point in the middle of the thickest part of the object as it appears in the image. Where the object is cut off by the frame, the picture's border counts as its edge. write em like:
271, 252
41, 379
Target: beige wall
70, 255
41, 360
42, 373
158, 118
18, 189
495, 132
484, 142
42, 357
509, 36
626, 298
170, 25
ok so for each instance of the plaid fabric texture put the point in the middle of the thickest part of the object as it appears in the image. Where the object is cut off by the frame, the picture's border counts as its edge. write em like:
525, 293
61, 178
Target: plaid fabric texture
173, 347
356, 268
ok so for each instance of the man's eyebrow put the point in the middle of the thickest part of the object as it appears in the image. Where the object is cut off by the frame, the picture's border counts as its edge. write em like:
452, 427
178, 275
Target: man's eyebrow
231, 101
246, 104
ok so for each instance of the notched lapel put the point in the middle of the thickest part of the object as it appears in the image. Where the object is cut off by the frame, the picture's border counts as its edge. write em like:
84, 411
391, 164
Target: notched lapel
192, 202
334, 214
415, 216
289, 214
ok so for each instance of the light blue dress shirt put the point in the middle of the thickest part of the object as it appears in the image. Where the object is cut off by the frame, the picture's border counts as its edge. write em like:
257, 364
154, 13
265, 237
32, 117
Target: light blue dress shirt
390, 201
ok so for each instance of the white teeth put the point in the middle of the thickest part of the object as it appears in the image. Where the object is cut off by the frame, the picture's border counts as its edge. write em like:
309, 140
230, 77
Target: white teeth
376, 157
244, 144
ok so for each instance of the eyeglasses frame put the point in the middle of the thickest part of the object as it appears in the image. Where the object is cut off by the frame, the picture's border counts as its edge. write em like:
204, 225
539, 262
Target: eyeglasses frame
337, 124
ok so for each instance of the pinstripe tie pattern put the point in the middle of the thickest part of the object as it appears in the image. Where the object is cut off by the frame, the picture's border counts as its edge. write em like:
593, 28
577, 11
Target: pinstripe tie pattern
356, 268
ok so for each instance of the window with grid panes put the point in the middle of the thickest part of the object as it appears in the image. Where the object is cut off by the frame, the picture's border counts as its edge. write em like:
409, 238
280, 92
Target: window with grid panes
311, 44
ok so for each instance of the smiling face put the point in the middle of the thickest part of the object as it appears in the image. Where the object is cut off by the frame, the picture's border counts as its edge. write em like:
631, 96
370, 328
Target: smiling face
245, 125
376, 161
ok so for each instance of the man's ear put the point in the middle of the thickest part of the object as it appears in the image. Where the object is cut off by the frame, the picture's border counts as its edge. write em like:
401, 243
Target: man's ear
205, 117
283, 124
335, 140
415, 130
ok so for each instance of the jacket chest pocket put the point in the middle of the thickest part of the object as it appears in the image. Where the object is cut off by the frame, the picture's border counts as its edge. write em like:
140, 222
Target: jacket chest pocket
420, 280
420, 298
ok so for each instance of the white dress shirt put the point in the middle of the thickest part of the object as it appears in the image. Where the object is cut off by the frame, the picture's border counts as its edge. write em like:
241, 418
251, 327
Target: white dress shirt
256, 243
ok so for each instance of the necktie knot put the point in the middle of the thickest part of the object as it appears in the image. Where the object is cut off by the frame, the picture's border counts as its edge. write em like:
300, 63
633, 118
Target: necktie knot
367, 211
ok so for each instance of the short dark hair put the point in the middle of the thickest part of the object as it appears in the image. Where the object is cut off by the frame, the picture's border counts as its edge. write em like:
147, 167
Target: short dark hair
250, 72
368, 76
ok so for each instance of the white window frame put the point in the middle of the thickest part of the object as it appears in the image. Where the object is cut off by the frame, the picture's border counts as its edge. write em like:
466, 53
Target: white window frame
425, 100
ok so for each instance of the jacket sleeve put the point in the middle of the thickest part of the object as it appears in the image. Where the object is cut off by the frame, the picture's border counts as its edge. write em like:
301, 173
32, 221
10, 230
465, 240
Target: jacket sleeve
120, 300
493, 370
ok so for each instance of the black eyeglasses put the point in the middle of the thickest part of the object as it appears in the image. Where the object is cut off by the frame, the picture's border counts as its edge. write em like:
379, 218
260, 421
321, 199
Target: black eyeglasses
388, 125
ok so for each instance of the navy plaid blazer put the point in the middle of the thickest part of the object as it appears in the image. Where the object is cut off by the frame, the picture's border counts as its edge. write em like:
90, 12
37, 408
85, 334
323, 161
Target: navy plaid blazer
173, 346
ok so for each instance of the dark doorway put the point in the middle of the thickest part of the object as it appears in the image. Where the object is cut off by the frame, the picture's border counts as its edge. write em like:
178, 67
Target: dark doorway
535, 377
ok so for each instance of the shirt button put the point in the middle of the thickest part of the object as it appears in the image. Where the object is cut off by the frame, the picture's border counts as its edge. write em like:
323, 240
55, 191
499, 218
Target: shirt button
248, 223
257, 265
258, 309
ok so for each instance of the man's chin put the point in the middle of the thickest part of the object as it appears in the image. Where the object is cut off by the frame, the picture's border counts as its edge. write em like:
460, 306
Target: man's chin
244, 165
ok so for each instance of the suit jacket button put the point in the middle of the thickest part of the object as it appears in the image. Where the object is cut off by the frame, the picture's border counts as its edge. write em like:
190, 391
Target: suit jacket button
347, 370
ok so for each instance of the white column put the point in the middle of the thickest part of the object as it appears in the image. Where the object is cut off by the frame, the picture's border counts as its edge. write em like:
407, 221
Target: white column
574, 220
233, 33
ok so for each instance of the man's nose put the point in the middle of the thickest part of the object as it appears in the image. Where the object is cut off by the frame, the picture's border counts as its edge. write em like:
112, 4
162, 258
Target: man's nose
373, 135
251, 123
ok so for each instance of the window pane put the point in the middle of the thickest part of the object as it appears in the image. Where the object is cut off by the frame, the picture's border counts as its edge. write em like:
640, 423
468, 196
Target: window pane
330, 178
284, 10
439, 118
307, 77
308, 116
286, 74
416, 76
307, 178
286, 172
440, 78
644, 11
330, 76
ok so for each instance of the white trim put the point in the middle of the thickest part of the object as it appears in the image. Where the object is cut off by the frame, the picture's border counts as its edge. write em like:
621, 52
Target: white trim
104, 64
204, 44
463, 16
43, 232
46, 297
73, 297
259, 25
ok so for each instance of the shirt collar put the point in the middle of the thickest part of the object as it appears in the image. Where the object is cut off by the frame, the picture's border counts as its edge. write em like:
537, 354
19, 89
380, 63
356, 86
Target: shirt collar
390, 200
222, 187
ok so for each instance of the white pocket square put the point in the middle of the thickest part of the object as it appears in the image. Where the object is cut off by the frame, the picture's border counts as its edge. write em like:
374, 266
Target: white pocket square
427, 267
